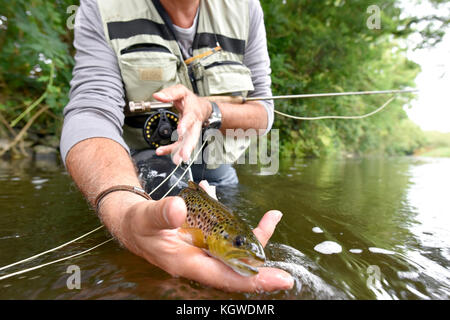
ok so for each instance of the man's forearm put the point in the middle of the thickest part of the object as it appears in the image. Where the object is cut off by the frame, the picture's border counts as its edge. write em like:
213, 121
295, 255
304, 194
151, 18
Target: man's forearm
97, 164
251, 115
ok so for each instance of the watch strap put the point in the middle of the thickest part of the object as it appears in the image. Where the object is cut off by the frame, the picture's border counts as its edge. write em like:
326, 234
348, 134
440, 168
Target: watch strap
215, 119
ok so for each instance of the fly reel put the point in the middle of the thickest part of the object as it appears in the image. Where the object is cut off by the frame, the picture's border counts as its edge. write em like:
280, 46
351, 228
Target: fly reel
158, 128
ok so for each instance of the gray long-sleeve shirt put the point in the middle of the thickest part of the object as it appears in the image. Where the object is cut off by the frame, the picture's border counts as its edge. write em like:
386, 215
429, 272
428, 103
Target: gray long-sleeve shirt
97, 94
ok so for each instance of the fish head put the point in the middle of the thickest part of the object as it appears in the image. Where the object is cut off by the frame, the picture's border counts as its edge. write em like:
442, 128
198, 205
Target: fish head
229, 239
241, 251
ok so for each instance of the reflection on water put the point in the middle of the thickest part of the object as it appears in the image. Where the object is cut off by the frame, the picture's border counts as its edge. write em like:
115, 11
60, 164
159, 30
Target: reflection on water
352, 229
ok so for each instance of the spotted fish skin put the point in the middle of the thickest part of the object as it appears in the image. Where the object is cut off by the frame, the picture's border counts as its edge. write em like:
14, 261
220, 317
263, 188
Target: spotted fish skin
206, 213
224, 235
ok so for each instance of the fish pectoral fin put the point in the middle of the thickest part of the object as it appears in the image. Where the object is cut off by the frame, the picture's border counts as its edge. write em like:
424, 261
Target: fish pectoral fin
185, 225
193, 236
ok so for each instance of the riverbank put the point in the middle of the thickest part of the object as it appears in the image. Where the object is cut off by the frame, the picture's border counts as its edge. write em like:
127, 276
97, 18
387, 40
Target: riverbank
46, 147
437, 145
35, 147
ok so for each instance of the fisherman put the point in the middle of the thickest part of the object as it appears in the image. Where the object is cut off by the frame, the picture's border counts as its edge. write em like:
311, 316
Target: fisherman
178, 51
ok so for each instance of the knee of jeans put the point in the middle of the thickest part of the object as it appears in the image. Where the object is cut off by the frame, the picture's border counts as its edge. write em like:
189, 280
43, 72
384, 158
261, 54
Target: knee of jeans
228, 178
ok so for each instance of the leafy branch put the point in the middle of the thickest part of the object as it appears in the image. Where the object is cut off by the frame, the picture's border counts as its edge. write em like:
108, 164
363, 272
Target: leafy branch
39, 100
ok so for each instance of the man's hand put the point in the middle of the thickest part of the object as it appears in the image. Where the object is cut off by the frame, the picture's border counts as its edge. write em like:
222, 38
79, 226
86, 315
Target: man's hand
194, 112
150, 229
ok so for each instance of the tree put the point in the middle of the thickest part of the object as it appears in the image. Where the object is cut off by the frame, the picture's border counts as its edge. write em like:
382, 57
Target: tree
326, 46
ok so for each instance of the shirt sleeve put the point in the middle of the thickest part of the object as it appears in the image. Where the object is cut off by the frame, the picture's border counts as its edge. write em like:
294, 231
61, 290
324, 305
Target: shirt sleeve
96, 96
256, 58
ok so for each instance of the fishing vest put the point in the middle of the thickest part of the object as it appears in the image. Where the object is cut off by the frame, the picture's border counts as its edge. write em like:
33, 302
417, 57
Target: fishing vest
150, 59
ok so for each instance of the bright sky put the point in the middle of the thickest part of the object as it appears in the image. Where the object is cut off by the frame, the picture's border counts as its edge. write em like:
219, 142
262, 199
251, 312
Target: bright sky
431, 109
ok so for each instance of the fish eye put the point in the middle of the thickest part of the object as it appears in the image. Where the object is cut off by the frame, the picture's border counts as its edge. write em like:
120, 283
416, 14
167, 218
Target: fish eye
239, 241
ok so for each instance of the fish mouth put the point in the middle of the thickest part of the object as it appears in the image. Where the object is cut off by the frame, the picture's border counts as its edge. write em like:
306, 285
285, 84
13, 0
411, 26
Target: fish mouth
245, 265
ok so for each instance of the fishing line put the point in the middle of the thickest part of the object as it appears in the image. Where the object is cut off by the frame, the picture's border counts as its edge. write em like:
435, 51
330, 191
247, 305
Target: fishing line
337, 117
55, 261
167, 178
92, 231
185, 171
51, 250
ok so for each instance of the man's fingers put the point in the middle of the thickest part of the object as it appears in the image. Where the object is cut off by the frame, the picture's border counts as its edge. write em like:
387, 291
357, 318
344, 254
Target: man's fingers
211, 190
162, 151
186, 121
168, 213
267, 225
169, 94
222, 277
189, 130
190, 140
173, 149
181, 149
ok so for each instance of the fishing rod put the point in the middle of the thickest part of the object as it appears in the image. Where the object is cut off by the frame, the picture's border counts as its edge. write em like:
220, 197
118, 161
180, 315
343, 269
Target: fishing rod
161, 123
147, 106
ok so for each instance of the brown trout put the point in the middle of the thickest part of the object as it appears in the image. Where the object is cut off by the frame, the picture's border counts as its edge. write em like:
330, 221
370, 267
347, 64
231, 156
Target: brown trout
216, 229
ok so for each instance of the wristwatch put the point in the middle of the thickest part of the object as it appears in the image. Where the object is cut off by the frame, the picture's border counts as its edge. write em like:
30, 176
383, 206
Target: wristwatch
215, 119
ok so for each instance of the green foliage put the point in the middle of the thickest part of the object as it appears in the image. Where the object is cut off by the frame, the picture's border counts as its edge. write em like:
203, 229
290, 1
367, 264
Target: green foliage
34, 39
326, 46
437, 139
437, 144
405, 139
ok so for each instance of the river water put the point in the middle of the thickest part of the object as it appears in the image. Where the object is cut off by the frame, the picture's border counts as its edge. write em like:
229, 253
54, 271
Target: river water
374, 228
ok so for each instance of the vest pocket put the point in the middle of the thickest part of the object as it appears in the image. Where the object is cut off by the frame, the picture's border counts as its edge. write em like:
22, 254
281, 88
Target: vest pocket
225, 77
147, 69
144, 47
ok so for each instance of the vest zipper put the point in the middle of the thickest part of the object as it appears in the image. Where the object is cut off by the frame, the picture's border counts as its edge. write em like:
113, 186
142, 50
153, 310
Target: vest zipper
144, 47
222, 63
192, 79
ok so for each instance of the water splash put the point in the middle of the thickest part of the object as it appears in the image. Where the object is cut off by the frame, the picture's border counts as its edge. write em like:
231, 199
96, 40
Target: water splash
308, 285
328, 247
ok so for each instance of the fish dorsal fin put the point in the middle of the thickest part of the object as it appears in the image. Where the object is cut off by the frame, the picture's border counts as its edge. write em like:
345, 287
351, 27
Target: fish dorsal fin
192, 185
195, 187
